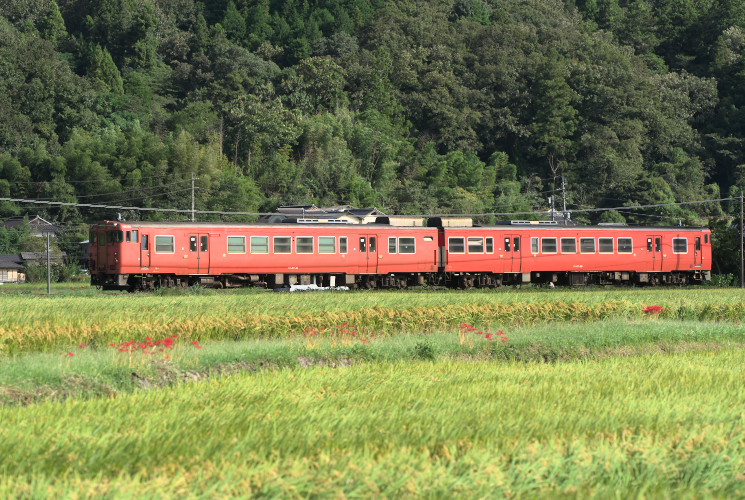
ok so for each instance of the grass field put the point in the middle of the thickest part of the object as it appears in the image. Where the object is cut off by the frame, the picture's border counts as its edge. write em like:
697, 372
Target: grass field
372, 394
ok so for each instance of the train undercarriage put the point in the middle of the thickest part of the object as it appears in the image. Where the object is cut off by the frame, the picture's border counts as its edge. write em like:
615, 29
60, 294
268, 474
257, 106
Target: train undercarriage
145, 282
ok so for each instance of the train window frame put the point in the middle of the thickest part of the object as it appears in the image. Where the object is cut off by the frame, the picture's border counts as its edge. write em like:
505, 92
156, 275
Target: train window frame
128, 238
535, 245
405, 247
145, 242
706, 238
546, 241
259, 247
627, 248
478, 244
204, 243
305, 245
454, 239
324, 246
606, 240
158, 244
92, 239
489, 244
392, 245
583, 249
238, 244
698, 244
676, 248
288, 246
343, 245
193, 243
135, 236
567, 249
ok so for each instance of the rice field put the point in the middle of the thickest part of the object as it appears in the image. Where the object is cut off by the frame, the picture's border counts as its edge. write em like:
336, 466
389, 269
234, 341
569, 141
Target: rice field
513, 393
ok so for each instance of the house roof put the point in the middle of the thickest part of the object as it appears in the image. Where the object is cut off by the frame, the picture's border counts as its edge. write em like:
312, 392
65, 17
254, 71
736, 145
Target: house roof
36, 223
11, 261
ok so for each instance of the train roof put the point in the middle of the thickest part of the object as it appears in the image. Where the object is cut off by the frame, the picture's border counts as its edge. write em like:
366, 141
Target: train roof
500, 226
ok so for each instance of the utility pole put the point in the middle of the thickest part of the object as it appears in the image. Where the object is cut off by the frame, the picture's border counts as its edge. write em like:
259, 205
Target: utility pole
742, 235
563, 200
553, 209
49, 267
192, 196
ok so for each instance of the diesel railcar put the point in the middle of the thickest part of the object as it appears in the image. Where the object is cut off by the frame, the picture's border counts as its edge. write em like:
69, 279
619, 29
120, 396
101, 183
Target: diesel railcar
147, 255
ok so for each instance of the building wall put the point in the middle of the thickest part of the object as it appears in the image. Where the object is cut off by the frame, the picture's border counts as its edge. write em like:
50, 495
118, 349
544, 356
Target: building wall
11, 276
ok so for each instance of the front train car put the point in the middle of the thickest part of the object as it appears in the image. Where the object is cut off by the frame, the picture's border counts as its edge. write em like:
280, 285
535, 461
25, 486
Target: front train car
114, 251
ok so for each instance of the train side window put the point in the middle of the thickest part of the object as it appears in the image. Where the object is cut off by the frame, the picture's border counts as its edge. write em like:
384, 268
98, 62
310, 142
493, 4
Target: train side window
407, 245
304, 244
192, 243
164, 244
658, 244
372, 243
135, 236
129, 235
489, 245
282, 244
475, 245
516, 245
698, 243
205, 241
507, 246
605, 245
236, 244
457, 245
649, 244
625, 245
326, 244
392, 248
680, 245
145, 242
548, 245
587, 245
363, 244
568, 245
342, 244
534, 244
259, 244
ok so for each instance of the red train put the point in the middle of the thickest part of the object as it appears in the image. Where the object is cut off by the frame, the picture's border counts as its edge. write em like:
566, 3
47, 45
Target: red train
146, 255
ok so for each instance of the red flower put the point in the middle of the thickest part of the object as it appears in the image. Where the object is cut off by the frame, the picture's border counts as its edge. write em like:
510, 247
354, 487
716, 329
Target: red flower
71, 354
196, 344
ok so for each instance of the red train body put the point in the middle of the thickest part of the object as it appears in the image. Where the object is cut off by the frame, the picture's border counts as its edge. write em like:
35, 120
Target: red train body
146, 255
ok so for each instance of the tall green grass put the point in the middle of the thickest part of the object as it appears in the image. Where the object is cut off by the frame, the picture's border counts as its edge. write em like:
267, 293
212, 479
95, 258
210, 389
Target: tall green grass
655, 425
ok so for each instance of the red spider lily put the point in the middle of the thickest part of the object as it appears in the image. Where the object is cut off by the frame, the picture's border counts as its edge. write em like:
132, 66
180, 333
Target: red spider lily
196, 344
71, 354
653, 309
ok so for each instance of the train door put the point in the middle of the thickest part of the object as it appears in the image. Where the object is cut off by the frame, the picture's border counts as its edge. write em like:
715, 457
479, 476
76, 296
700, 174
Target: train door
369, 253
145, 250
199, 245
654, 250
513, 252
697, 249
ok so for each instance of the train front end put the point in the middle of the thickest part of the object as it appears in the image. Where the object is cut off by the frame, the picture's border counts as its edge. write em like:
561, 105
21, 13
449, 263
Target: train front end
106, 256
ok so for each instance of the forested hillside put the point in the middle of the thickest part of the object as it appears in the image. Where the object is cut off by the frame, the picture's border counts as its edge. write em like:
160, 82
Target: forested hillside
444, 106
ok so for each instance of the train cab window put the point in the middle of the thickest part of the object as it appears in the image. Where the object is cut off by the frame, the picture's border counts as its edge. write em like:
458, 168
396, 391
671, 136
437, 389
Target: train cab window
507, 246
568, 245
649, 244
680, 245
135, 236
282, 244
129, 235
489, 245
548, 245
587, 245
706, 238
534, 245
164, 244
625, 245
92, 239
236, 244
698, 243
326, 244
192, 243
111, 237
259, 244
392, 248
342, 244
516, 243
145, 243
407, 245
304, 244
475, 245
204, 243
457, 245
605, 245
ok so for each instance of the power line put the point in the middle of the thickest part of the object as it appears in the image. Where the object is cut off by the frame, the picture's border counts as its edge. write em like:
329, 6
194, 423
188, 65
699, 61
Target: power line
218, 212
